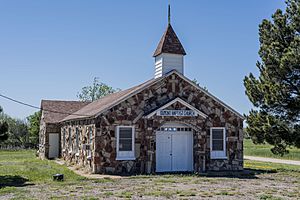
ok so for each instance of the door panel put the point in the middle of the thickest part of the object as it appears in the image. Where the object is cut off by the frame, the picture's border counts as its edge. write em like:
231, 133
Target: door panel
179, 152
163, 152
53, 145
190, 144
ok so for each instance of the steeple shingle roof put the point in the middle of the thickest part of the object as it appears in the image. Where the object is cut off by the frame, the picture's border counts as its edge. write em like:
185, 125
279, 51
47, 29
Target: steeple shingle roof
169, 43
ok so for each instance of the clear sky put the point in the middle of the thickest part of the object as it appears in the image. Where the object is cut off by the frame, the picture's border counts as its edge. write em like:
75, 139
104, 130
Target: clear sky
51, 49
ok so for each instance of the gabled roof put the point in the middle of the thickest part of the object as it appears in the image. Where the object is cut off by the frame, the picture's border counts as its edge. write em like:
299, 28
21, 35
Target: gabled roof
198, 112
169, 43
54, 111
98, 107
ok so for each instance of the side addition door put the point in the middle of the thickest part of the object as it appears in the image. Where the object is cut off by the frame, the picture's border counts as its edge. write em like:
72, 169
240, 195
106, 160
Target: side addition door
53, 145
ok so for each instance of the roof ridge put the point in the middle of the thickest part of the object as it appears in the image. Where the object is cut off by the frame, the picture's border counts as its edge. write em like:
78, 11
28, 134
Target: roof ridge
55, 100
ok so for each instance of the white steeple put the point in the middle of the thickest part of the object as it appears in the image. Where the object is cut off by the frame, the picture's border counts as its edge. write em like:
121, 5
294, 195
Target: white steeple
169, 54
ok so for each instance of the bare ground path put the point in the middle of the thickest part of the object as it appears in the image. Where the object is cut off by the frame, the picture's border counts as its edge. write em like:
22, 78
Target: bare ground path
85, 174
272, 160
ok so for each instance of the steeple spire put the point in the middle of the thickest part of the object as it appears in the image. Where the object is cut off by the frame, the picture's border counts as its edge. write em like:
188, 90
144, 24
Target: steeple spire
169, 14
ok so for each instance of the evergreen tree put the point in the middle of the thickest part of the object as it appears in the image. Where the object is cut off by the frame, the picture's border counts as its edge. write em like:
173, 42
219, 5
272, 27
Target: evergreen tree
276, 92
3, 129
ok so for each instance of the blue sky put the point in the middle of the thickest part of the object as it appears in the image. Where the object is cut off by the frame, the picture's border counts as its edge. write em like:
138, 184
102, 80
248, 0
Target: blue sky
51, 49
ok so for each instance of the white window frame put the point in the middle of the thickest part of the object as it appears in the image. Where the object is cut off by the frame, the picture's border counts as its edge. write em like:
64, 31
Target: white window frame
64, 138
218, 154
125, 155
70, 140
90, 140
77, 134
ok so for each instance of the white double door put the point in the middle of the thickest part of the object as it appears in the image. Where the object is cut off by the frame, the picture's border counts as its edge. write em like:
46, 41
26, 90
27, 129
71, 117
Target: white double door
174, 151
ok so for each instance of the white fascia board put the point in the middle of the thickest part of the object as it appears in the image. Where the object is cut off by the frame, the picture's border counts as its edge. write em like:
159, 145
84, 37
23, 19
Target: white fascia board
174, 101
159, 79
209, 94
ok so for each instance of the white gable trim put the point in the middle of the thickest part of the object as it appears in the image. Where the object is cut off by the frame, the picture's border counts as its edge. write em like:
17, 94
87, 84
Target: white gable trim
210, 95
198, 112
159, 79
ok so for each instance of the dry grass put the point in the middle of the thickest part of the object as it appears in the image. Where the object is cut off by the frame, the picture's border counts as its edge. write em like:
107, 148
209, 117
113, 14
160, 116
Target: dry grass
264, 182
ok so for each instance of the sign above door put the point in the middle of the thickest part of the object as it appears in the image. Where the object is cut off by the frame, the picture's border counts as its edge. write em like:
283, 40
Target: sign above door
181, 113
163, 111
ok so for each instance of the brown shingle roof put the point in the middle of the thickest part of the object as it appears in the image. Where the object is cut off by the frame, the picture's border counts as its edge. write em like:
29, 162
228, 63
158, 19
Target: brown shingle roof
106, 102
60, 109
169, 43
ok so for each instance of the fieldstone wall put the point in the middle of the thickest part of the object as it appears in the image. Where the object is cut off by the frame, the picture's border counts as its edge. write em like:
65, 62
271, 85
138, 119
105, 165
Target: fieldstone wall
131, 112
42, 139
83, 156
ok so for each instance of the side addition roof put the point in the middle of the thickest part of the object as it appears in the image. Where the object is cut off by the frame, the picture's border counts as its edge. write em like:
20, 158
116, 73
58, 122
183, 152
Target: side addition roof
169, 43
54, 111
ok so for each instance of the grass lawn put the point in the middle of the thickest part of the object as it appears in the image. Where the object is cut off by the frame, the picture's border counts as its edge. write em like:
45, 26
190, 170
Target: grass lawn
24, 164
263, 150
23, 176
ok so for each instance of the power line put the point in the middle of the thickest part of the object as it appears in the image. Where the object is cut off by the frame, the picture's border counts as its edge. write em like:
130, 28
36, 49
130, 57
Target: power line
39, 108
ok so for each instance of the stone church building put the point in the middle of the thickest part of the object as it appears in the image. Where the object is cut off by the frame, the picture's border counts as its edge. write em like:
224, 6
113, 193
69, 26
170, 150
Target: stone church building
166, 124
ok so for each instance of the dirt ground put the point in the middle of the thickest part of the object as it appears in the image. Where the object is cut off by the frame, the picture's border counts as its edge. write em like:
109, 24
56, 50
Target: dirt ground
279, 185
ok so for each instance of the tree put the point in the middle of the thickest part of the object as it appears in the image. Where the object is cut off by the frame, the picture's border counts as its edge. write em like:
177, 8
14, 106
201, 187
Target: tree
276, 92
96, 91
3, 129
34, 127
17, 131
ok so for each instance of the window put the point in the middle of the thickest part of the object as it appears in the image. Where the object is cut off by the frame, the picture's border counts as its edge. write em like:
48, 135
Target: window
90, 136
70, 139
174, 129
90, 141
64, 137
77, 140
218, 143
125, 143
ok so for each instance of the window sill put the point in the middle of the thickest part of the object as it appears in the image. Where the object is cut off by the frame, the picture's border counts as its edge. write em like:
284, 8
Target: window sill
125, 158
219, 158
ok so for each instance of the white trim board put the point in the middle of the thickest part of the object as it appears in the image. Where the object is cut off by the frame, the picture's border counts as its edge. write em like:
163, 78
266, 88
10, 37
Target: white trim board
174, 101
154, 81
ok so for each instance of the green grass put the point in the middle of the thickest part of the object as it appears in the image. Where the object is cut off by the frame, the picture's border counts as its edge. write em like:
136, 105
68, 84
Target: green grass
272, 167
17, 167
263, 150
